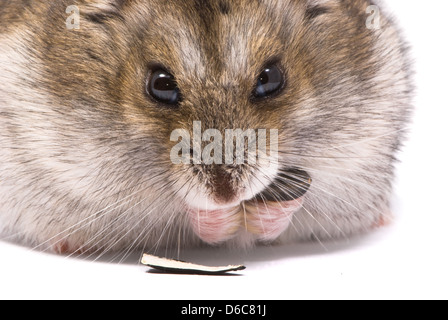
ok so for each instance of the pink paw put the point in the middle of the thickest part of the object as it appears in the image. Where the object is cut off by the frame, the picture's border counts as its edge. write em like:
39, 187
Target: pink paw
270, 219
215, 226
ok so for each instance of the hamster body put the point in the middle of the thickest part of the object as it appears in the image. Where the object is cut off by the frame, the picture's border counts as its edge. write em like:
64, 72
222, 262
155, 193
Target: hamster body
87, 114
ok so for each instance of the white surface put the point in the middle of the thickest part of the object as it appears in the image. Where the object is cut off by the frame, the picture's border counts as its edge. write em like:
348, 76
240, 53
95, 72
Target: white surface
405, 260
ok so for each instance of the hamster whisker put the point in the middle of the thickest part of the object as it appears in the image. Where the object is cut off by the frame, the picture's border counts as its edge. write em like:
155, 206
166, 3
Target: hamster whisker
368, 139
85, 222
108, 230
169, 226
134, 243
310, 228
111, 209
189, 189
320, 225
254, 196
112, 242
157, 243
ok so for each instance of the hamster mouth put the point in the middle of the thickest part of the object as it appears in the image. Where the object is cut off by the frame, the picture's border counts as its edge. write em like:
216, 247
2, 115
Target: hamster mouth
267, 215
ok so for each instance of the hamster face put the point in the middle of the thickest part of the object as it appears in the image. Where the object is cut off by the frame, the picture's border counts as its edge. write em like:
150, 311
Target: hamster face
88, 118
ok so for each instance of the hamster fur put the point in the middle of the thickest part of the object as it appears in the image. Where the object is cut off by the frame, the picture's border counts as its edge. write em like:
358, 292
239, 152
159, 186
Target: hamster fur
85, 151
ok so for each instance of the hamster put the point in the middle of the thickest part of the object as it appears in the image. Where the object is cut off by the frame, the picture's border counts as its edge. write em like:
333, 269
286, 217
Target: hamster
92, 93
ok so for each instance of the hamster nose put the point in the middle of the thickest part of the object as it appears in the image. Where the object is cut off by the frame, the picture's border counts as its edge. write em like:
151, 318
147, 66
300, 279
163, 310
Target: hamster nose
223, 186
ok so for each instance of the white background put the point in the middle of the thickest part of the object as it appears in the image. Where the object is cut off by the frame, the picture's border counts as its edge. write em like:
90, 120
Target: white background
406, 260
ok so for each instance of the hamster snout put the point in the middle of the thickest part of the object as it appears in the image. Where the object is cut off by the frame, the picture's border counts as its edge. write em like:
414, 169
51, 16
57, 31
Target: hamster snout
143, 124
265, 214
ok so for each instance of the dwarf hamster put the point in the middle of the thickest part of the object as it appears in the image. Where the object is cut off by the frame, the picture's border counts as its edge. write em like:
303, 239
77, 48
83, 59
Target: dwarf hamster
93, 92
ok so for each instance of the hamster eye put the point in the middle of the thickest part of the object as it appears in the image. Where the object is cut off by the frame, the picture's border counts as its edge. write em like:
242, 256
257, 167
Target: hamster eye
269, 82
162, 86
